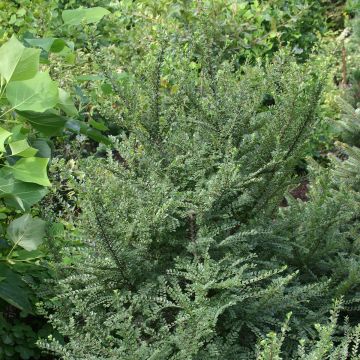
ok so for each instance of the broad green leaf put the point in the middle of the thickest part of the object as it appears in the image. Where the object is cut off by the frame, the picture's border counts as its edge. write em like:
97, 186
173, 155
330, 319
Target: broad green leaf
18, 194
32, 170
39, 93
87, 15
27, 232
18, 62
13, 290
4, 134
22, 148
47, 123
44, 43
23, 195
66, 104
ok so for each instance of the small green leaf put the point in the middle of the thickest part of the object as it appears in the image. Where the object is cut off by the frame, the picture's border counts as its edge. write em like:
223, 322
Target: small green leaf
98, 125
12, 19
22, 148
39, 93
27, 232
78, 126
4, 134
106, 89
18, 194
18, 62
21, 12
43, 147
66, 104
49, 44
32, 170
88, 15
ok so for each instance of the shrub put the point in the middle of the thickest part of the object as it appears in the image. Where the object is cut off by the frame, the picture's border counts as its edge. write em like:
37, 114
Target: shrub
168, 219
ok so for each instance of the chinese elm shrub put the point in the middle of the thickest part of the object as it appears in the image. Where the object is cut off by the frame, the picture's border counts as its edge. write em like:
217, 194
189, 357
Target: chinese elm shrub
167, 268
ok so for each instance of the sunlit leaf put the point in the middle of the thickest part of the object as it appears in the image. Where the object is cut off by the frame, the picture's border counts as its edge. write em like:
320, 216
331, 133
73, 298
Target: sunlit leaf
22, 148
32, 169
39, 93
18, 62
27, 232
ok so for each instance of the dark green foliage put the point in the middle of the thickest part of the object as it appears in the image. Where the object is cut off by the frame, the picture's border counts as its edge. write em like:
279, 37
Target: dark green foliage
171, 218
19, 333
319, 237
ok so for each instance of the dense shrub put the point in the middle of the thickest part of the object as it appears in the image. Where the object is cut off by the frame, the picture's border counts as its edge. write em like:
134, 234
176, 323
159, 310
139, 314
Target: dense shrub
170, 219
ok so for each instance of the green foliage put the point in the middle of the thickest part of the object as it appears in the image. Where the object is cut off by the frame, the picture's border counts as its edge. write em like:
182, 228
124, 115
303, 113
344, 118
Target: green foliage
319, 236
20, 17
349, 123
167, 270
18, 337
38, 94
327, 346
18, 62
245, 29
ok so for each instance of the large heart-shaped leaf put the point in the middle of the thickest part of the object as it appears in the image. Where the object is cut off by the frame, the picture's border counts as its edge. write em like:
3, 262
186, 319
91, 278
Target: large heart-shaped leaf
32, 170
27, 232
13, 290
48, 123
18, 62
89, 16
18, 194
39, 93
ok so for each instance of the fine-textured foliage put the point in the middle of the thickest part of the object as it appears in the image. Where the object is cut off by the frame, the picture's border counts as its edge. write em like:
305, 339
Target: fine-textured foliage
167, 270
326, 346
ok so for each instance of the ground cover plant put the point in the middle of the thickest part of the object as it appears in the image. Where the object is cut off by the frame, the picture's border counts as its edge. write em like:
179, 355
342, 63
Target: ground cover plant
179, 180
